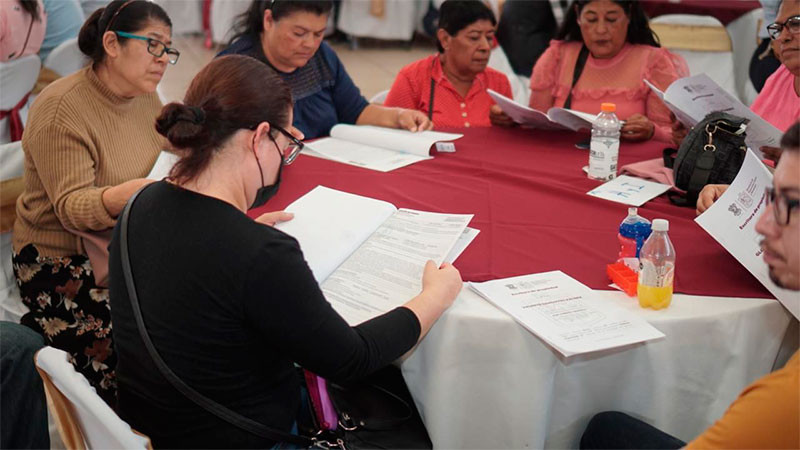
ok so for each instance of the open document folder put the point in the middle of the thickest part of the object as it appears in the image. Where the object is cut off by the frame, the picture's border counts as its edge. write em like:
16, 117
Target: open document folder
367, 255
554, 119
565, 313
693, 98
377, 148
732, 219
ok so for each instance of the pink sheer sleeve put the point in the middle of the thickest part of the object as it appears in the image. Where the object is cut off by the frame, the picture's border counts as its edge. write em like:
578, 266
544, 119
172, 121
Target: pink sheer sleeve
543, 78
661, 69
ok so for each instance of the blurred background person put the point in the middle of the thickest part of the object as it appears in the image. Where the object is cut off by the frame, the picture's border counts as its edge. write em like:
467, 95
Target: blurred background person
615, 50
22, 28
450, 87
526, 28
287, 35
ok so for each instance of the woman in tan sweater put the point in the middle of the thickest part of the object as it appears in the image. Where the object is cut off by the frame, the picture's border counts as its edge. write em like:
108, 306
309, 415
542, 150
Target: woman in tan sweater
89, 141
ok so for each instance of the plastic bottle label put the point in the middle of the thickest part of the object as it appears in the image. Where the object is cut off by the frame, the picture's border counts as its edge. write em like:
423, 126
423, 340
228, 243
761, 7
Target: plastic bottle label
656, 276
603, 154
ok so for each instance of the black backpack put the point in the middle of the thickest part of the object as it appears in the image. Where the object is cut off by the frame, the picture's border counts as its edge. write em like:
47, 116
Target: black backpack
712, 153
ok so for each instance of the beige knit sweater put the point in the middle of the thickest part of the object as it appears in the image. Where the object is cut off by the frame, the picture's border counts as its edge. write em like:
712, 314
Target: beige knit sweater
80, 140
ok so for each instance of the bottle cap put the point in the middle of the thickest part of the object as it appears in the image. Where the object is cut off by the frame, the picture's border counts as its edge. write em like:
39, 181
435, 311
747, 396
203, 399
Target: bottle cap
608, 107
660, 225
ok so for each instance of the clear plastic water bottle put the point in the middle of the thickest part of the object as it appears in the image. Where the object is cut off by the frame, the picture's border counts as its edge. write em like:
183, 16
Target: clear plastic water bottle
656, 268
633, 231
604, 150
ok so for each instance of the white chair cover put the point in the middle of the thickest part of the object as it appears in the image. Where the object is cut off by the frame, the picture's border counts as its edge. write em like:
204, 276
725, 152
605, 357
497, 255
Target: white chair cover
11, 307
223, 16
66, 58
717, 65
398, 21
187, 15
17, 78
100, 425
380, 97
744, 38
520, 86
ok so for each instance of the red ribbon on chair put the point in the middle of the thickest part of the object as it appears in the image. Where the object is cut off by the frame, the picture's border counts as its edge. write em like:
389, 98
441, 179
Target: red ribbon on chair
15, 119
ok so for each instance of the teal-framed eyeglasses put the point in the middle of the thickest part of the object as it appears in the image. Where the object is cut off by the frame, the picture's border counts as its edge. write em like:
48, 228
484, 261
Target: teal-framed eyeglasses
154, 46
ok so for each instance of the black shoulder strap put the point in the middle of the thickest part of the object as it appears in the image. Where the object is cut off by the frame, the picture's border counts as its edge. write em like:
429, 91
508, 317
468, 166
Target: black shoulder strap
576, 74
199, 399
433, 87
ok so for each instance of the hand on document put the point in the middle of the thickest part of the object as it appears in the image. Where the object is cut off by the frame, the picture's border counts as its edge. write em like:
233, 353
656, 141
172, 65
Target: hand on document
499, 118
441, 284
271, 218
413, 120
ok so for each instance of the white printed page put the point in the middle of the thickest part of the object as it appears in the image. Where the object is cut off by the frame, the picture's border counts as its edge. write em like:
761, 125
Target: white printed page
732, 219
697, 96
162, 166
565, 313
574, 120
629, 190
522, 114
386, 270
361, 155
461, 244
331, 224
415, 143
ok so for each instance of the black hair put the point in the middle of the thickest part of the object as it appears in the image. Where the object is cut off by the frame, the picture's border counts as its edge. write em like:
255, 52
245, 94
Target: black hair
120, 15
231, 93
455, 15
251, 22
31, 7
639, 31
791, 139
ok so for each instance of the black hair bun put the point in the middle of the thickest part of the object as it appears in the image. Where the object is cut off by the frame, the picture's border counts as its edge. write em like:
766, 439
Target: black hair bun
184, 126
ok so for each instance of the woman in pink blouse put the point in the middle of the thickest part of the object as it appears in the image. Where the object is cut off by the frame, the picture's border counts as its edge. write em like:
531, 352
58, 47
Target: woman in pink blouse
620, 52
22, 27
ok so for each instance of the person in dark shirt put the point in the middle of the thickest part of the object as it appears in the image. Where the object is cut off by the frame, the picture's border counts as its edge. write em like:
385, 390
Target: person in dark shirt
229, 302
287, 36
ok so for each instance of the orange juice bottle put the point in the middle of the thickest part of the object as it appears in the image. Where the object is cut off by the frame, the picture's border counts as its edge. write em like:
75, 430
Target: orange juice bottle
656, 268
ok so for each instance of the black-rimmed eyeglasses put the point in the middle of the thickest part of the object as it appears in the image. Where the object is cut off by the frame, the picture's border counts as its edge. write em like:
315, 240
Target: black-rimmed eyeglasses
792, 24
154, 46
782, 206
293, 149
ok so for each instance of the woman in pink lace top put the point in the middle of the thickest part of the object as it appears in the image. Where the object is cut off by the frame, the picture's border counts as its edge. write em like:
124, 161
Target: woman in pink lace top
622, 53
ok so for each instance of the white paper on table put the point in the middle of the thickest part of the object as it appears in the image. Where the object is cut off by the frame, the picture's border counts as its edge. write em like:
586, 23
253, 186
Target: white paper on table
555, 119
565, 313
731, 221
692, 98
162, 166
386, 270
461, 244
331, 224
629, 190
377, 148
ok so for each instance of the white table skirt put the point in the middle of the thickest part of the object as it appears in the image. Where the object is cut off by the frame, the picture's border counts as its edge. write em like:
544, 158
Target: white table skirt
480, 380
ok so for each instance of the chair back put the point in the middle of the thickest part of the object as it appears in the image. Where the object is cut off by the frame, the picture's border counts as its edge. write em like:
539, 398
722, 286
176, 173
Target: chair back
744, 37
66, 58
17, 78
380, 97
11, 185
84, 420
703, 42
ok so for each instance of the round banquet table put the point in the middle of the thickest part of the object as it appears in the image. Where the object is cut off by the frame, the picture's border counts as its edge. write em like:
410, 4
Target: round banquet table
479, 379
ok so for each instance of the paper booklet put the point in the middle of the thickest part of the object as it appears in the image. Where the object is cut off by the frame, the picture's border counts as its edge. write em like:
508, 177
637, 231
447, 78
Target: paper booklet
693, 98
732, 219
565, 313
162, 166
367, 255
377, 148
629, 190
554, 119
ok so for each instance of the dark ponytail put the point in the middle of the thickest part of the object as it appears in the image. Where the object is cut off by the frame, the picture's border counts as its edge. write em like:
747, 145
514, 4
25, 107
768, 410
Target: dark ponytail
120, 15
31, 7
251, 22
230, 93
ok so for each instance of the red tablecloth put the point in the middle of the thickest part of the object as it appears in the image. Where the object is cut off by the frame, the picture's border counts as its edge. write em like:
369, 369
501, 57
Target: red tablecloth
726, 11
528, 194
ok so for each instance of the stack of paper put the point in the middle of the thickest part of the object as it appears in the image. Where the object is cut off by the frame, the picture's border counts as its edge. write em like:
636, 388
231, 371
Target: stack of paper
565, 313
